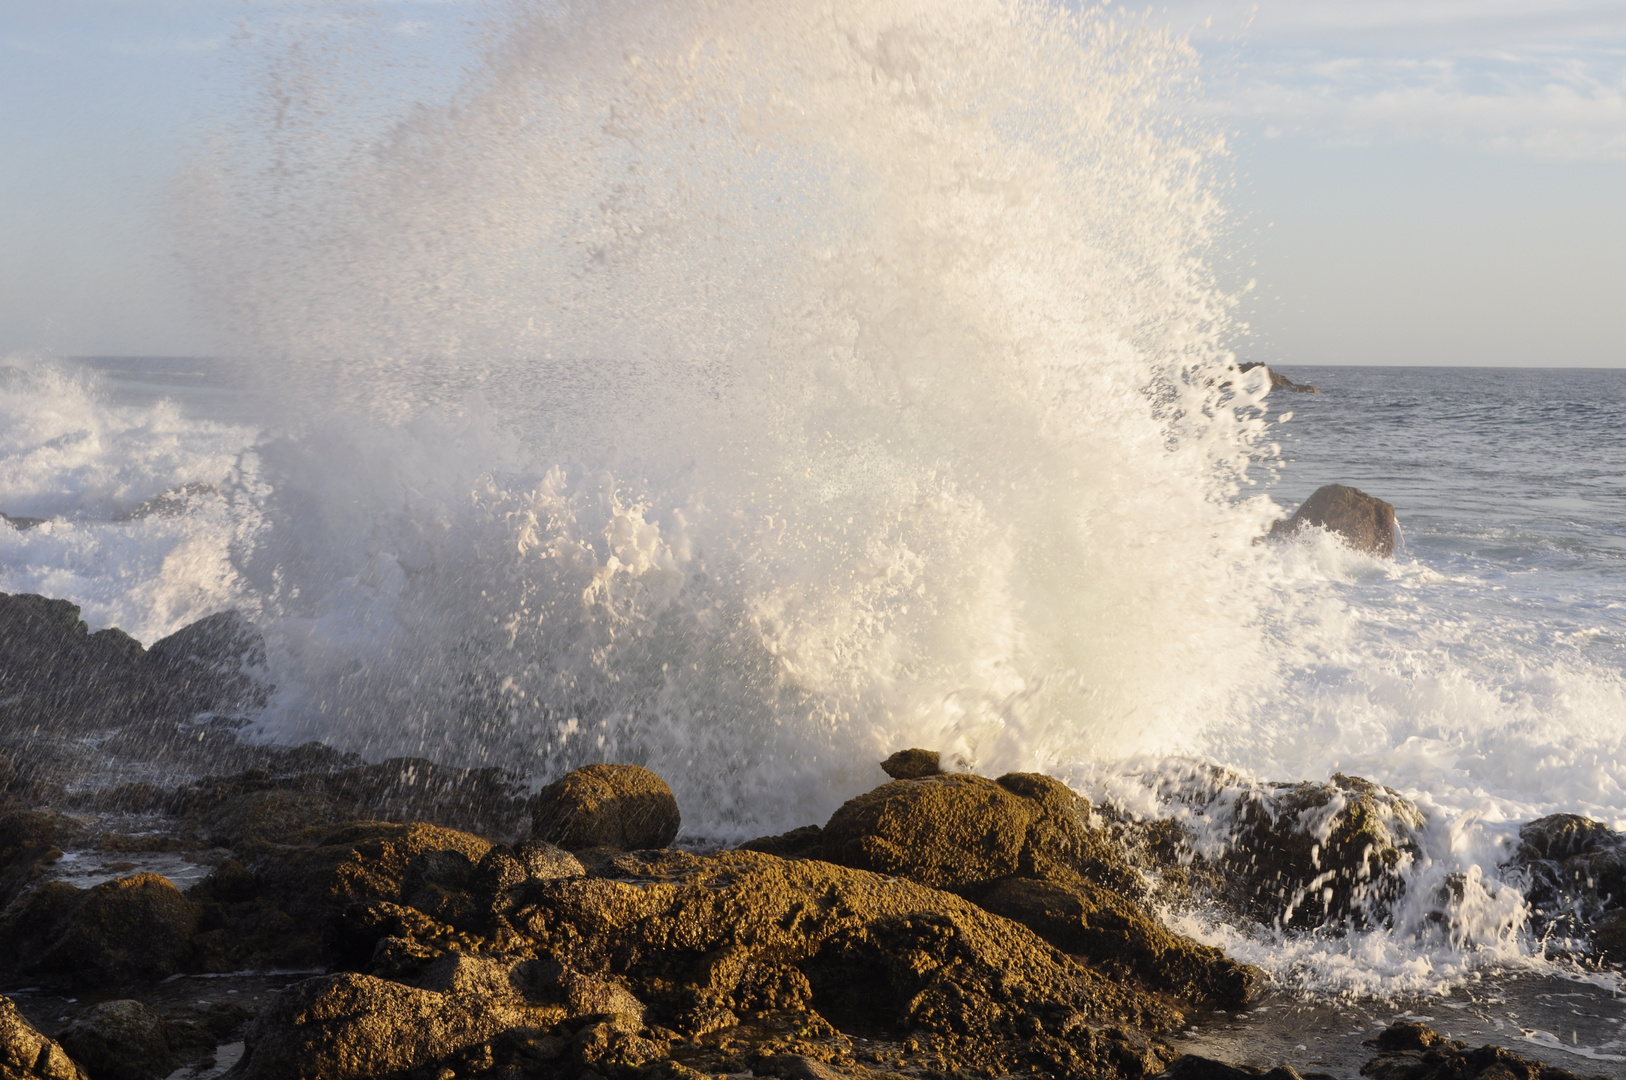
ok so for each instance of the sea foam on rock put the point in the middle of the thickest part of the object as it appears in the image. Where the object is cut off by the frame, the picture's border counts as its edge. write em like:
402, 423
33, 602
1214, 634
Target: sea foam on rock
1575, 870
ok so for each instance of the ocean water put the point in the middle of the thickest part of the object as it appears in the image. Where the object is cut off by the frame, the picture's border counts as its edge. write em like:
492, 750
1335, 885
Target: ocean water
751, 394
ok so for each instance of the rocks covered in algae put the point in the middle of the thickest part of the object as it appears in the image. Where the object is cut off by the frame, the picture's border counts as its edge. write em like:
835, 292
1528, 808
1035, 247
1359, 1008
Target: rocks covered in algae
1022, 846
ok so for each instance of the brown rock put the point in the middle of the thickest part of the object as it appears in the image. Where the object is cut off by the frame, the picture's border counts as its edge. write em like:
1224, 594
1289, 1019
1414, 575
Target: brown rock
25, 1054
1366, 523
351, 1027
120, 1040
1109, 930
912, 764
709, 937
626, 807
1022, 847
961, 832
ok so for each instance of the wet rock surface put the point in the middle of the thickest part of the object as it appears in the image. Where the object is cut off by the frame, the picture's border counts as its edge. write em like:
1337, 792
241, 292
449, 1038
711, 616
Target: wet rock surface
1411, 1051
439, 923
1365, 523
1576, 870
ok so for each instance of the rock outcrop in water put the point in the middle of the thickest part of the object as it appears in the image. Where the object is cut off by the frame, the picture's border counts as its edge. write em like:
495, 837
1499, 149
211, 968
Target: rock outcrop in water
1278, 381
1576, 870
1409, 1051
1366, 524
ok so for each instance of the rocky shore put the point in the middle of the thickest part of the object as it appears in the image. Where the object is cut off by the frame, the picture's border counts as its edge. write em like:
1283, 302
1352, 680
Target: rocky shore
402, 919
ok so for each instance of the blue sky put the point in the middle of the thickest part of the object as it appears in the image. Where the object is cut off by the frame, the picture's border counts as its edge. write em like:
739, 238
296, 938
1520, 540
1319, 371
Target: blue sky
1432, 181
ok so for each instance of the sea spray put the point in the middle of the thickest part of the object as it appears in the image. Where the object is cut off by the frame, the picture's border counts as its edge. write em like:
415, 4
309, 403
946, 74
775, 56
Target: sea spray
747, 392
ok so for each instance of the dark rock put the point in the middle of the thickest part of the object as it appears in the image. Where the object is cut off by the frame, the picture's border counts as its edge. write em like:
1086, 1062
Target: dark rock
25, 1054
1576, 879
1278, 381
20, 523
1309, 854
53, 670
912, 764
215, 665
806, 842
120, 1040
1193, 1067
616, 806
271, 815
30, 841
1416, 1052
1367, 524
138, 927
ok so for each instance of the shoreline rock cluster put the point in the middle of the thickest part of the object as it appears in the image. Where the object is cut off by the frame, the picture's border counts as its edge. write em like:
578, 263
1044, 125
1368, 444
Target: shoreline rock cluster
942, 925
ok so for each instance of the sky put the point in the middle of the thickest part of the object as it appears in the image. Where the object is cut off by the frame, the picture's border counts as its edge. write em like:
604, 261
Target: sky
1415, 181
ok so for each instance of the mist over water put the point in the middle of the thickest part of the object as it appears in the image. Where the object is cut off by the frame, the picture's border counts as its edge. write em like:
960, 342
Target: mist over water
749, 391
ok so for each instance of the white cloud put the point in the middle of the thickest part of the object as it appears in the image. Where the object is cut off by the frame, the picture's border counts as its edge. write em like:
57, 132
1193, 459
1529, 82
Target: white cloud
412, 27
1544, 79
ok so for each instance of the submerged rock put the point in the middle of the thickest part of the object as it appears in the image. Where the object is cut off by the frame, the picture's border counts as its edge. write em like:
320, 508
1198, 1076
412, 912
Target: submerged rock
26, 1054
623, 807
1366, 523
21, 523
120, 1040
175, 501
1308, 854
